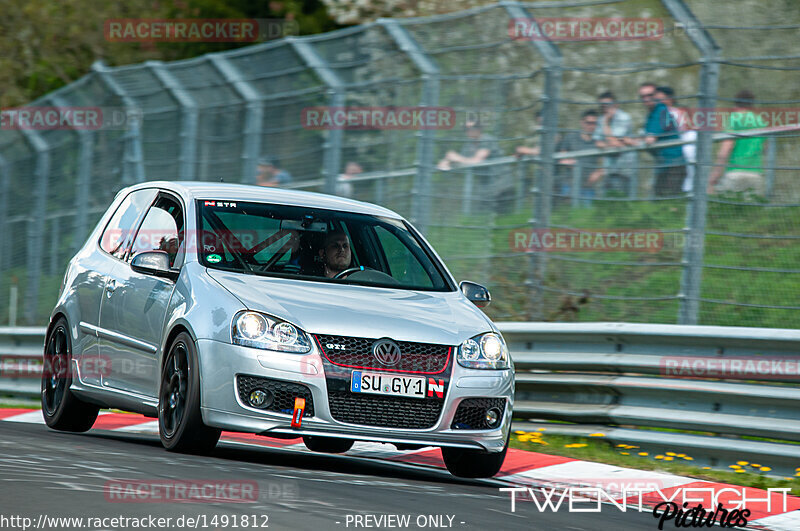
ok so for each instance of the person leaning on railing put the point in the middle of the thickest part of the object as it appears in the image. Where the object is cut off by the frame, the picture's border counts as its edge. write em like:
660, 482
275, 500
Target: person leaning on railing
591, 171
670, 171
614, 130
667, 96
742, 156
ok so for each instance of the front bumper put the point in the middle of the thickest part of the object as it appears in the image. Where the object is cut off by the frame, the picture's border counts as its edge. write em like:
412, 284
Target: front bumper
222, 408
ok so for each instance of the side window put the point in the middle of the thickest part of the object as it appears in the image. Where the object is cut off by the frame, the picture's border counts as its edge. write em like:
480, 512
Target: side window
118, 234
403, 266
162, 230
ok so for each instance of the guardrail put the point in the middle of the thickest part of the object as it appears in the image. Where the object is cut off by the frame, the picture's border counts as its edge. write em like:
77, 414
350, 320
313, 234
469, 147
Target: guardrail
21, 360
631, 382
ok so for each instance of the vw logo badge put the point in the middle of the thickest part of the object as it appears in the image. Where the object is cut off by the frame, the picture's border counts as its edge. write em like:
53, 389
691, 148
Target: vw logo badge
386, 351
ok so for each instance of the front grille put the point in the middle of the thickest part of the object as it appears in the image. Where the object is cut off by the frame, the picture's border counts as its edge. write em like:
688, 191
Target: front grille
283, 393
421, 358
385, 411
471, 413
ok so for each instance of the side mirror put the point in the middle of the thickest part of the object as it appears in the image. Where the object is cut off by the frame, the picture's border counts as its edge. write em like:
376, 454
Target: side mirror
154, 263
477, 294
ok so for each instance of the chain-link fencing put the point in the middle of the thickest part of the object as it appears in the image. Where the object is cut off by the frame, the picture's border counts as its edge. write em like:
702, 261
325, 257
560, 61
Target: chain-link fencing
518, 166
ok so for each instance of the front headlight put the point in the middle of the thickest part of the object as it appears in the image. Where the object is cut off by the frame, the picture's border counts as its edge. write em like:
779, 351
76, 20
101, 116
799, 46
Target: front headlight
252, 329
486, 351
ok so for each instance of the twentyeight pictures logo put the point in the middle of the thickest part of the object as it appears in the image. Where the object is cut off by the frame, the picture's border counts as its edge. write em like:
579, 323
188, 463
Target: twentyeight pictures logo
586, 29
637, 496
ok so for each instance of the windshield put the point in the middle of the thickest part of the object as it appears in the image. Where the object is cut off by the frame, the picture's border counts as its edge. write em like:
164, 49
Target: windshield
315, 244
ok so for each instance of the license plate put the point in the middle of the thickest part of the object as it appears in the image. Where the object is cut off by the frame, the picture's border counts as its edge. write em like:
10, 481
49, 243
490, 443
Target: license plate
387, 384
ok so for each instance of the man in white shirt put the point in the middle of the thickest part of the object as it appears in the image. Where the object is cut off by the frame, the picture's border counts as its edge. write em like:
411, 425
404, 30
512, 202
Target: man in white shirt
614, 129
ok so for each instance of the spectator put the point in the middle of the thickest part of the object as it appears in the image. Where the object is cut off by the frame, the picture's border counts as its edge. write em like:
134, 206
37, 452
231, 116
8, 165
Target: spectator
535, 149
743, 156
614, 130
344, 185
670, 171
667, 96
494, 188
478, 148
270, 173
590, 171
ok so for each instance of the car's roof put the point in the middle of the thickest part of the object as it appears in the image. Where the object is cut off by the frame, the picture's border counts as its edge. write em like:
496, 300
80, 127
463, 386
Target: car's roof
191, 190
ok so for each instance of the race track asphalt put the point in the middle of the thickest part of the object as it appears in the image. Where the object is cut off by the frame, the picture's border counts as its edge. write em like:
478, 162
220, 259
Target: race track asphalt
49, 474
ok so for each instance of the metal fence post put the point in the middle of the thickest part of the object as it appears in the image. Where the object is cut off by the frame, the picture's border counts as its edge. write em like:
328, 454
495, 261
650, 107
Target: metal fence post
5, 178
469, 185
133, 137
519, 170
83, 181
189, 117
337, 89
254, 115
430, 98
633, 180
691, 277
769, 164
545, 176
577, 169
36, 226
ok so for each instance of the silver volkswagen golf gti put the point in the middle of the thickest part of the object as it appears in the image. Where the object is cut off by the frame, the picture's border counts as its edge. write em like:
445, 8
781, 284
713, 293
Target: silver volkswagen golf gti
288, 314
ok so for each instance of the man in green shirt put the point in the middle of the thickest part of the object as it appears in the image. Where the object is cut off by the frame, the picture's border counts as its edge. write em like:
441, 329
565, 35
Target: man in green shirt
741, 158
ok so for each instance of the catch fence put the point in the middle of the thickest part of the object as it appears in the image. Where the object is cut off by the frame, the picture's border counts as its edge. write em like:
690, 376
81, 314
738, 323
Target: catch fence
723, 259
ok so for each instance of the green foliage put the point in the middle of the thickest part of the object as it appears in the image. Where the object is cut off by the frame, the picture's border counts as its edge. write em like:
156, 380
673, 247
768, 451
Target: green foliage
49, 44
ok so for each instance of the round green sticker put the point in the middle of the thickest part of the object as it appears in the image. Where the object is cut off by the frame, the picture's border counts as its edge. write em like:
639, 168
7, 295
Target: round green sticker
214, 258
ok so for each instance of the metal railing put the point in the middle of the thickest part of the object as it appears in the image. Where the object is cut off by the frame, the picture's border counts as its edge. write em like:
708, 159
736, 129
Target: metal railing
630, 382
21, 350
708, 392
213, 117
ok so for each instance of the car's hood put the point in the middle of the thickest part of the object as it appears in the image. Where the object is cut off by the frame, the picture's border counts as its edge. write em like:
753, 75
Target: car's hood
360, 311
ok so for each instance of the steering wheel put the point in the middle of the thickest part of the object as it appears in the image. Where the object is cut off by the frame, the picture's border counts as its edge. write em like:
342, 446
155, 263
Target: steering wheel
350, 271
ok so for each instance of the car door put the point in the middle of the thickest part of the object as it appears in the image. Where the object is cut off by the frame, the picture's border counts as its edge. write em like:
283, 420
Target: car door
133, 312
93, 273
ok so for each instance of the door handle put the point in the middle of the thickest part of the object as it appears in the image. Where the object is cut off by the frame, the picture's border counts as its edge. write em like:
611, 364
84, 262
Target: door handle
111, 285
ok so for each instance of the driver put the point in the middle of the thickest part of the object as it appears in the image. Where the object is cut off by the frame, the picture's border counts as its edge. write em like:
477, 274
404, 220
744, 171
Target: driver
335, 253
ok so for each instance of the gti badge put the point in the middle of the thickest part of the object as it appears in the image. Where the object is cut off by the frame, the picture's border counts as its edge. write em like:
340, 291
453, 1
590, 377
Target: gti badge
387, 352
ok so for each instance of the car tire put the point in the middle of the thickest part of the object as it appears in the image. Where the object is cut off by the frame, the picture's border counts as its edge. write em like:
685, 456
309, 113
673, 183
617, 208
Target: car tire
61, 409
180, 424
474, 463
328, 445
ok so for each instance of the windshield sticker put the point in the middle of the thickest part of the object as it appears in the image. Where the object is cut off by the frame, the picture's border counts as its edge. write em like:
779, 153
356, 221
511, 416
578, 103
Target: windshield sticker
223, 204
214, 258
